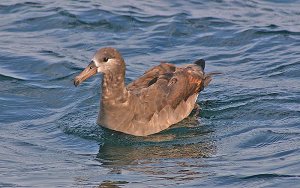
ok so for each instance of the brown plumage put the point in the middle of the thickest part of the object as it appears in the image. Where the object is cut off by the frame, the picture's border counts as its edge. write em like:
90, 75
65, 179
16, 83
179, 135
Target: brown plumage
161, 97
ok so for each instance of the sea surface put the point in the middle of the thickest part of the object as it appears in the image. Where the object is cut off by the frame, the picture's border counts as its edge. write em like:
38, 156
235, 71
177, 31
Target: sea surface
247, 133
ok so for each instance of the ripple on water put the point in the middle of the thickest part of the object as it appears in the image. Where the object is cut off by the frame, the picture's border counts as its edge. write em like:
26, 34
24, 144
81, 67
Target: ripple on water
246, 134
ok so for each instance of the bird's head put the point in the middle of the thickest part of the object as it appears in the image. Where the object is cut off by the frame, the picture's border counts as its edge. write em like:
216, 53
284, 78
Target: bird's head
104, 60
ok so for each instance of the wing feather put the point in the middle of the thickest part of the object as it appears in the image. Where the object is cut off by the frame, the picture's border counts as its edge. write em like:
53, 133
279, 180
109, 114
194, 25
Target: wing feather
150, 77
166, 85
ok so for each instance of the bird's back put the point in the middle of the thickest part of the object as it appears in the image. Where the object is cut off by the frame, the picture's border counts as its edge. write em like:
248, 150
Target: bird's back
165, 95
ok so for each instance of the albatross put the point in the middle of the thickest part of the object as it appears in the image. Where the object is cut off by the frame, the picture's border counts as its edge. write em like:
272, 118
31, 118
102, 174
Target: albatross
164, 95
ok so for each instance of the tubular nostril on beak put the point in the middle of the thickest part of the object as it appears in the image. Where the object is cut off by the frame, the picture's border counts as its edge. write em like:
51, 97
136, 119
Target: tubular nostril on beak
89, 71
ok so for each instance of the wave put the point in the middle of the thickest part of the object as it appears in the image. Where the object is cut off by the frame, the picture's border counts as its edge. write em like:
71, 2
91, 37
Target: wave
268, 176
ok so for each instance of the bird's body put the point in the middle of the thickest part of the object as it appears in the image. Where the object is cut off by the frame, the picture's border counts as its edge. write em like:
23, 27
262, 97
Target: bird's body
161, 97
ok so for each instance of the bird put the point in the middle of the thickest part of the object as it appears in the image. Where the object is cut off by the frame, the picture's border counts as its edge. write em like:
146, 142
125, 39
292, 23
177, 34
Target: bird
164, 95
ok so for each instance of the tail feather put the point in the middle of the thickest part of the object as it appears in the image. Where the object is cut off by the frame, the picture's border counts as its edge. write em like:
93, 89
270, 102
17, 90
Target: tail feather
201, 63
207, 77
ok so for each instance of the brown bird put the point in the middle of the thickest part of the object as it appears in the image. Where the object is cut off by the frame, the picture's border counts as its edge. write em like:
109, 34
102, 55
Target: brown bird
162, 96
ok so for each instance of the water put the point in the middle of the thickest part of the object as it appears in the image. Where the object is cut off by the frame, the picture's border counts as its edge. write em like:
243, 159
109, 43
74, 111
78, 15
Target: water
247, 134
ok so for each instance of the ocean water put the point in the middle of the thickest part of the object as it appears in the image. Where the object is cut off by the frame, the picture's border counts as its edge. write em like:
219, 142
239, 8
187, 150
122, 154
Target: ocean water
247, 133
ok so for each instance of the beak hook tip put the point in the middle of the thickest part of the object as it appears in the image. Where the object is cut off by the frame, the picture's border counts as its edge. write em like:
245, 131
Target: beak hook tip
76, 82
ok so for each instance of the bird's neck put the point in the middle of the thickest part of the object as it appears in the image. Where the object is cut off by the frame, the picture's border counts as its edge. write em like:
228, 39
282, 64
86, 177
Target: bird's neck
113, 86
114, 95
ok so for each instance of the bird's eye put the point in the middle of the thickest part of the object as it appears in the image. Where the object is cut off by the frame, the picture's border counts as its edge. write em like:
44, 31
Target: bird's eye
92, 66
105, 59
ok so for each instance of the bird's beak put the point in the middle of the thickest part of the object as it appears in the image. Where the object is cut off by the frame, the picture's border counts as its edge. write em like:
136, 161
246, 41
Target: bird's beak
89, 71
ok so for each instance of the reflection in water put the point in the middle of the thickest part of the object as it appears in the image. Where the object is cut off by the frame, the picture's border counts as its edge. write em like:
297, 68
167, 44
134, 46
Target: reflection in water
184, 144
112, 155
112, 184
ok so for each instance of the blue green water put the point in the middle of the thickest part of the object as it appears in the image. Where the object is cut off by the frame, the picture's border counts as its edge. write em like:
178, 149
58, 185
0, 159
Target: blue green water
246, 135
